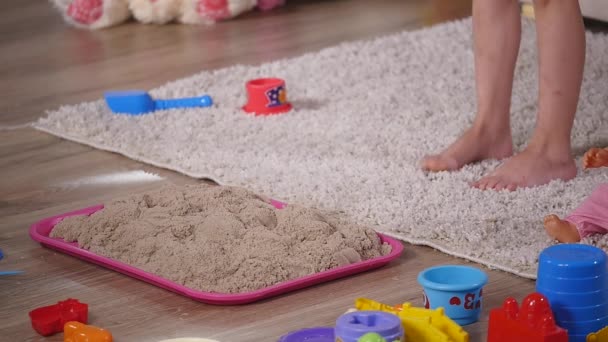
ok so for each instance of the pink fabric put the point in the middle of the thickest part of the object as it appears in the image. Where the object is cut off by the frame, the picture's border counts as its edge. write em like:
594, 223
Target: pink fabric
266, 5
591, 216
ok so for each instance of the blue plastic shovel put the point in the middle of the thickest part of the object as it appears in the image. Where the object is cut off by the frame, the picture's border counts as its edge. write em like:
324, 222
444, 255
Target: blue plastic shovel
137, 102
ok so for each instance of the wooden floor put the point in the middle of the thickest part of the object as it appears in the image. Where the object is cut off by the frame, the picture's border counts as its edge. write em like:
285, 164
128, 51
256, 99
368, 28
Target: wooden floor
44, 64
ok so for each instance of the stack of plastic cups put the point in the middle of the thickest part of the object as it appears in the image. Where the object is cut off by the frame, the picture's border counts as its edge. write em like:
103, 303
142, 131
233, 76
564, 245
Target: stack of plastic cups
574, 278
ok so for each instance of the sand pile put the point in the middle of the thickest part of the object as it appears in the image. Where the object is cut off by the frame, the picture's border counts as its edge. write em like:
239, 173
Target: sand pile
220, 239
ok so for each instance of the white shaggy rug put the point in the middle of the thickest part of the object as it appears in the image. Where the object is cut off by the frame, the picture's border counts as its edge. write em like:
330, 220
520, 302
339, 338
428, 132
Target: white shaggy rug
365, 113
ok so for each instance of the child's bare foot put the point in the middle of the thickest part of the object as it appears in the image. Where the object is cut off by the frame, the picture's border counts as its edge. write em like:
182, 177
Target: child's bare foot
595, 157
531, 167
474, 144
561, 230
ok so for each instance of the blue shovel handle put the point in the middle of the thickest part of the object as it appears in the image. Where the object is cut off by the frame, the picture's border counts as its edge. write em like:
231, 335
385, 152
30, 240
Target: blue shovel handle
188, 102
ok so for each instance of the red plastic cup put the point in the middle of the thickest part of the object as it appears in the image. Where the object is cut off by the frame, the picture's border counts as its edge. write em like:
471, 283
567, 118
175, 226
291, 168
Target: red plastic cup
266, 96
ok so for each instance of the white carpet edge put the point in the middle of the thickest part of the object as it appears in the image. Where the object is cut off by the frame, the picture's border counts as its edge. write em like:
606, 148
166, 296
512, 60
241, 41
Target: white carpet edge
134, 157
459, 255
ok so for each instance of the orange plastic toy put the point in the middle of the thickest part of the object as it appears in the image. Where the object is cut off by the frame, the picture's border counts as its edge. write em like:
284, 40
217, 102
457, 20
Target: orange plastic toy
78, 332
533, 322
595, 157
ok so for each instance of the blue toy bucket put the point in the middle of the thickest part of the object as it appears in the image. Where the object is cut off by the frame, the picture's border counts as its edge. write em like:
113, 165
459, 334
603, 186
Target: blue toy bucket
572, 261
573, 285
458, 289
579, 313
574, 299
584, 327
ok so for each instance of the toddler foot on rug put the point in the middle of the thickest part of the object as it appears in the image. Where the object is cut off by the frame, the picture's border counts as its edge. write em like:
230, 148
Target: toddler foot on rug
532, 167
561, 230
477, 143
595, 157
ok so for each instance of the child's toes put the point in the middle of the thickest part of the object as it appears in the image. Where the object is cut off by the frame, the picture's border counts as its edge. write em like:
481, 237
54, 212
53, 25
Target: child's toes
501, 185
493, 182
481, 184
549, 219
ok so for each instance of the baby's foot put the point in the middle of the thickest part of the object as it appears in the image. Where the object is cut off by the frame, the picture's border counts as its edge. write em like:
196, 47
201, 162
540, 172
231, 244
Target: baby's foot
474, 145
561, 230
530, 168
595, 157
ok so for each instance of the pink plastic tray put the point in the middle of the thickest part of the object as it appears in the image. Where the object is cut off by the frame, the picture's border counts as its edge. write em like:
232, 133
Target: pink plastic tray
41, 230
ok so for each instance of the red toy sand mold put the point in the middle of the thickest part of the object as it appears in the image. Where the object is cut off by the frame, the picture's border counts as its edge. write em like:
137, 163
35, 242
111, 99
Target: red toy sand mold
49, 320
41, 230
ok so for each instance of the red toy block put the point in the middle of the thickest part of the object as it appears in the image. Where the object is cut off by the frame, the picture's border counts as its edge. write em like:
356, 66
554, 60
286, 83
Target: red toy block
49, 320
533, 322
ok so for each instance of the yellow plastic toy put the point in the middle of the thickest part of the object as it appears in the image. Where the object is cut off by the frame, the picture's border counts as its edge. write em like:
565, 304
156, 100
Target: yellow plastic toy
420, 324
600, 336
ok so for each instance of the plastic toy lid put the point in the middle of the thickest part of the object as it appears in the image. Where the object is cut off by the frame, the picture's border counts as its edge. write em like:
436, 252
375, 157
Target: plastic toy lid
324, 334
452, 278
356, 324
572, 261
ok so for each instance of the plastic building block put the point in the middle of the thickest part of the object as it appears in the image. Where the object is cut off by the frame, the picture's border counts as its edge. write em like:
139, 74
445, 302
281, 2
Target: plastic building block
420, 324
137, 102
78, 332
49, 320
533, 322
600, 336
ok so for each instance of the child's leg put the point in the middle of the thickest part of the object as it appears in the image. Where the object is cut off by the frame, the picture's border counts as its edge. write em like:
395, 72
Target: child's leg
591, 217
496, 33
561, 44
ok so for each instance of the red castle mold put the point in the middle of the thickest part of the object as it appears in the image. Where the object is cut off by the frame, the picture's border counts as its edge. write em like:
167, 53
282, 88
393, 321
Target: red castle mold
533, 322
